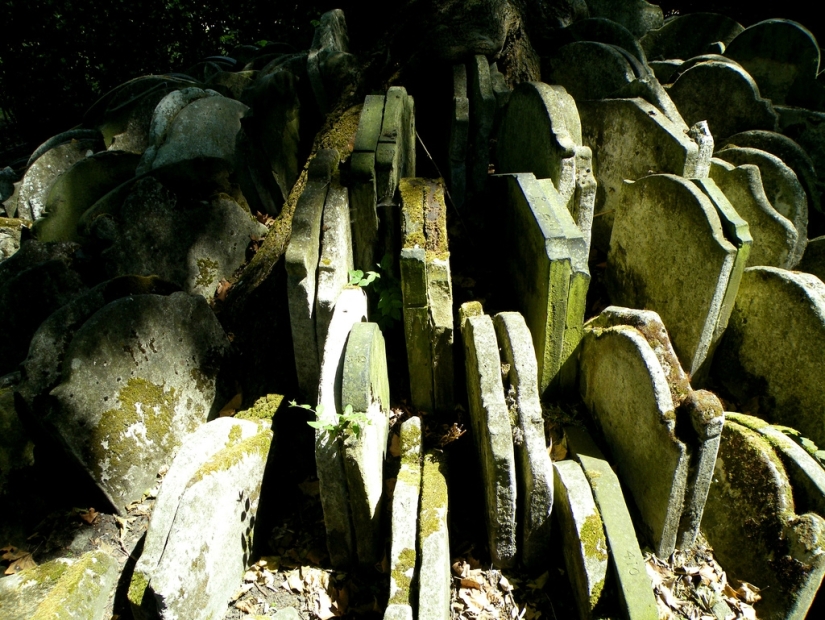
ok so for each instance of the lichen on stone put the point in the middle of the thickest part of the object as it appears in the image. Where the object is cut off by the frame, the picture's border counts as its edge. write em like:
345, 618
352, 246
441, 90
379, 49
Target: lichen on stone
592, 537
207, 272
264, 408
137, 588
402, 575
228, 457
434, 498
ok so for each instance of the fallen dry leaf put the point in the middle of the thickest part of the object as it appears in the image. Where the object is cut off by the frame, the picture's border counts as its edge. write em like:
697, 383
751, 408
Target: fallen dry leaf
232, 406
223, 290
240, 592
294, 582
247, 606
471, 582
748, 593
18, 559
89, 516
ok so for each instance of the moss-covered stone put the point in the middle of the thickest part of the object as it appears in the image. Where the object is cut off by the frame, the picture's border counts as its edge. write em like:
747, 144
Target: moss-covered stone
264, 408
82, 591
402, 574
223, 460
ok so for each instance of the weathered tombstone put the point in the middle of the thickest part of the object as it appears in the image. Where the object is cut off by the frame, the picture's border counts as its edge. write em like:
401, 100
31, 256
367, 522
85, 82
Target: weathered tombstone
482, 115
782, 187
760, 359
330, 37
351, 308
665, 70
433, 540
302, 265
583, 541
427, 294
121, 425
210, 539
535, 479
689, 35
603, 30
459, 134
725, 96
335, 261
365, 387
614, 127
751, 524
692, 241
71, 136
395, 153
77, 189
198, 449
490, 420
363, 196
775, 238
405, 500
777, 53
626, 559
813, 261
805, 127
590, 70
10, 233
637, 16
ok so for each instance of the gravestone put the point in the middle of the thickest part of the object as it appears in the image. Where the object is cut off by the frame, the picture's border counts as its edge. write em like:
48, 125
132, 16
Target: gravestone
777, 53
459, 135
782, 188
603, 30
689, 35
806, 129
434, 540
691, 240
750, 522
583, 542
395, 153
590, 70
482, 115
535, 474
637, 16
365, 387
725, 96
302, 265
490, 421
427, 293
775, 238
330, 37
773, 351
813, 261
363, 196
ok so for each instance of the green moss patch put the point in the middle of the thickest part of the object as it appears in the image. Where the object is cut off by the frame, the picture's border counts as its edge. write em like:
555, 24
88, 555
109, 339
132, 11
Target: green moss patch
231, 456
264, 408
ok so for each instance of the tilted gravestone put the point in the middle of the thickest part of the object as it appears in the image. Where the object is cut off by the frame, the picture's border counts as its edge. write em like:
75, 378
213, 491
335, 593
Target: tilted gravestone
725, 96
813, 261
482, 115
689, 35
590, 70
773, 351
427, 293
751, 523
434, 539
637, 16
459, 135
603, 30
775, 238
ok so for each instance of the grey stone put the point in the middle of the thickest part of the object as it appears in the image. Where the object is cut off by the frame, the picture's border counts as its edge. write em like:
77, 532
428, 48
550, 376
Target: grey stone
87, 135
77, 189
490, 421
365, 387
782, 187
193, 245
535, 479
760, 359
404, 524
665, 70
459, 135
162, 355
751, 524
583, 541
604, 30
691, 240
590, 70
637, 16
395, 152
616, 128
689, 35
10, 233
628, 564
725, 96
38, 179
363, 196
778, 53
813, 261
288, 613
330, 38
166, 111
61, 588
301, 267
351, 308
16, 449
434, 540
335, 261
8, 178
197, 450
805, 128
395, 611
210, 539
482, 116
775, 238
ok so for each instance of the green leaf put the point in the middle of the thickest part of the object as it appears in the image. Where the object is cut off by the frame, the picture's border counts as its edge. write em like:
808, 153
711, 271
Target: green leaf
316, 424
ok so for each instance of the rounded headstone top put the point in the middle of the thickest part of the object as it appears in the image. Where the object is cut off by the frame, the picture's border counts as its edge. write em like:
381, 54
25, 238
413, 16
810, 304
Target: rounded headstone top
637, 16
603, 30
591, 70
776, 52
685, 36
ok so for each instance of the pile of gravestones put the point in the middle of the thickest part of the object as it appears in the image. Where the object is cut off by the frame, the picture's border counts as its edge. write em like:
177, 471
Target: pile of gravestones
677, 164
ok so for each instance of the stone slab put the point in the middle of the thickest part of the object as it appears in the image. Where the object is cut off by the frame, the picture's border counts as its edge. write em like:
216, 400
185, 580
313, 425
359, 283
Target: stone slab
813, 261
369, 124
583, 541
482, 116
363, 204
394, 611
760, 359
365, 387
637, 16
535, 471
434, 540
590, 70
459, 136
689, 35
626, 559
604, 30
690, 239
490, 421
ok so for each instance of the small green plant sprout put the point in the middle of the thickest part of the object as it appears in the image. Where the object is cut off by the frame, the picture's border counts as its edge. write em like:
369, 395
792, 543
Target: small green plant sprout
358, 278
348, 421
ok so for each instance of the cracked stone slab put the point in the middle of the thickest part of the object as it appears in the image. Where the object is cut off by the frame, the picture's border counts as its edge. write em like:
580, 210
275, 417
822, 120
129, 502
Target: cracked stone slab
434, 540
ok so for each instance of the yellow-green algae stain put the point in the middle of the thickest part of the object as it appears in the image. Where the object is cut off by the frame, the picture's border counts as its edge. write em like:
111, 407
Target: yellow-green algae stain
69, 586
137, 588
401, 574
207, 271
264, 408
433, 495
592, 535
234, 435
230, 456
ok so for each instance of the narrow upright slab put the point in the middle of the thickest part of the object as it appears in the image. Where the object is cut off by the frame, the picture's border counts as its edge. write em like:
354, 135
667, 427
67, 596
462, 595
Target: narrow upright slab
363, 197
482, 116
751, 523
627, 561
535, 477
459, 135
688, 238
626, 390
365, 387
350, 309
490, 421
773, 351
335, 262
583, 541
434, 540
395, 152
301, 267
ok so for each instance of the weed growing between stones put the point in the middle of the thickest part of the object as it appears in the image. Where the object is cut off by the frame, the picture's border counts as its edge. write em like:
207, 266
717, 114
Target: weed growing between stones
348, 421
384, 284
